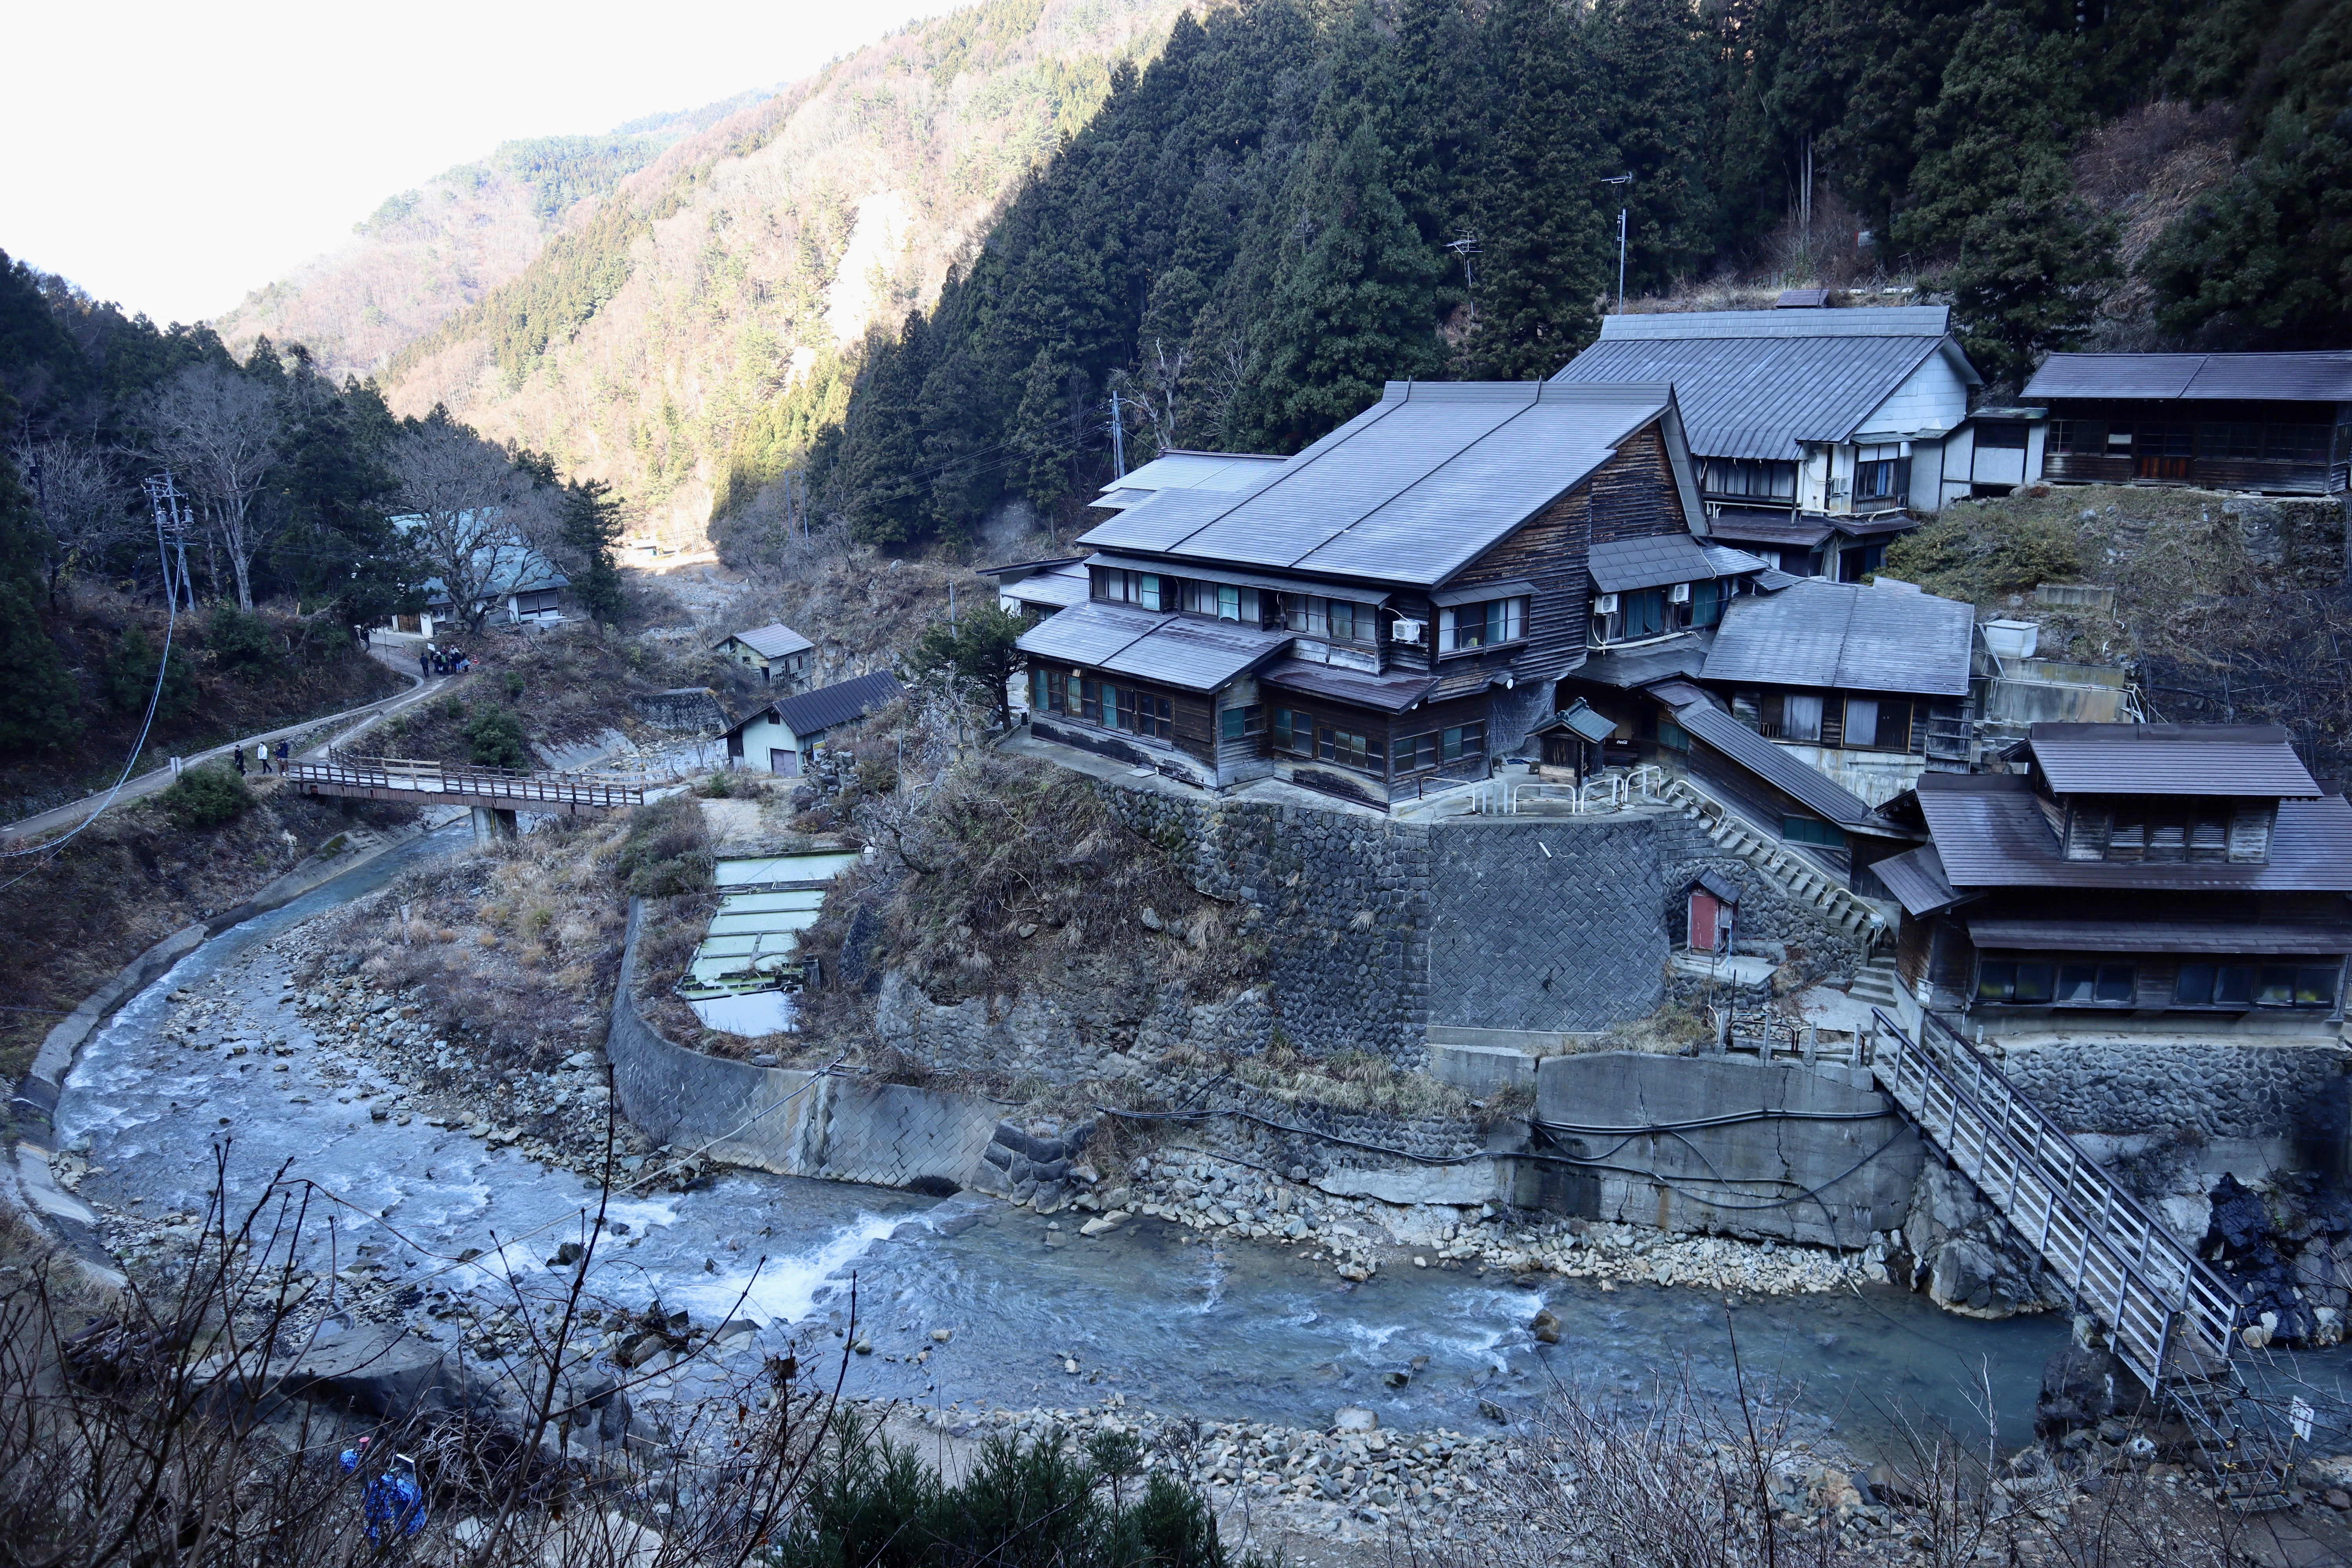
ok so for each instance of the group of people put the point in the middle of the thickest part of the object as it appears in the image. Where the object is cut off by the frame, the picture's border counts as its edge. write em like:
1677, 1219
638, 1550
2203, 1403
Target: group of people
433, 662
261, 757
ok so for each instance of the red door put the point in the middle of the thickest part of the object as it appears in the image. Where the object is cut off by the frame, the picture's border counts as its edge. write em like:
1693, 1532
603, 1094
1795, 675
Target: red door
1705, 918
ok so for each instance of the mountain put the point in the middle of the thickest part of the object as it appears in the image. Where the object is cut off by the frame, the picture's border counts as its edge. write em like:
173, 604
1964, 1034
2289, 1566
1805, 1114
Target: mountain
429, 252
630, 333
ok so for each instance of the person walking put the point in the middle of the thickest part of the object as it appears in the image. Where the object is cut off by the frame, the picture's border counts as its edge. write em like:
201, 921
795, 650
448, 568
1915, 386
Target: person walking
261, 756
281, 758
238, 753
424, 662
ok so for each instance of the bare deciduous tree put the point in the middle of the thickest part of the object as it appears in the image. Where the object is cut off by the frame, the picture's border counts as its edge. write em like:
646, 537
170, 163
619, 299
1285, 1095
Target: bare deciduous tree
223, 433
477, 519
79, 500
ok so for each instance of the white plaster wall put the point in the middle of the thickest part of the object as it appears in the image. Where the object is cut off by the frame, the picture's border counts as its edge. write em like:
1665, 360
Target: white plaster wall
1932, 398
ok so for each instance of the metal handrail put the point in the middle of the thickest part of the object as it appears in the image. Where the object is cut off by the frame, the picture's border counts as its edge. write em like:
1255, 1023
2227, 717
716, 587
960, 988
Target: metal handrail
2122, 1263
506, 783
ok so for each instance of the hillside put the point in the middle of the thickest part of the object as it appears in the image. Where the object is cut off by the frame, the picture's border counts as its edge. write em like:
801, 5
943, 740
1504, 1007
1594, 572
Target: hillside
744, 257
427, 252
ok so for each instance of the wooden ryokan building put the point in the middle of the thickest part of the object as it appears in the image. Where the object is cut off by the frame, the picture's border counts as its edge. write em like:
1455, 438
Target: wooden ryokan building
1391, 607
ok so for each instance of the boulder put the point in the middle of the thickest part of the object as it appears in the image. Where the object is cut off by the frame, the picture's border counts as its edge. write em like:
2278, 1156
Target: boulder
383, 1372
1354, 1418
2081, 1388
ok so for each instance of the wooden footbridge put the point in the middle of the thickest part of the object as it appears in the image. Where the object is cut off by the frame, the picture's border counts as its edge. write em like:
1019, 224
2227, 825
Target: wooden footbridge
499, 790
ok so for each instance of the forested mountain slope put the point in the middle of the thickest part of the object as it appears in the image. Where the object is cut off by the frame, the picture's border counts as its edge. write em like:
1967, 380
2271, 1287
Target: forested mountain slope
427, 252
652, 328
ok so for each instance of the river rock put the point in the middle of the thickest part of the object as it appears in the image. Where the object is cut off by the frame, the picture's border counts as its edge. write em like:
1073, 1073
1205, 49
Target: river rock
2081, 1388
384, 1373
1354, 1418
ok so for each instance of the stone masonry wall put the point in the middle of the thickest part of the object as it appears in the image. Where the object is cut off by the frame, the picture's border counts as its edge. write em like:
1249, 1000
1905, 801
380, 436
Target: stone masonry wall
2220, 1090
1344, 901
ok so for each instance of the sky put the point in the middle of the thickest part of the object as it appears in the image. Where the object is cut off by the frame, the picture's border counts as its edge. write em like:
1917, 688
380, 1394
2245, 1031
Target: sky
174, 157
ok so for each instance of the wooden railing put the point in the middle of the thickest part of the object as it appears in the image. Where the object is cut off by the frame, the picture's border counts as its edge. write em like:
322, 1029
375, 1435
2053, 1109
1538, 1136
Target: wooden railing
2169, 1316
340, 771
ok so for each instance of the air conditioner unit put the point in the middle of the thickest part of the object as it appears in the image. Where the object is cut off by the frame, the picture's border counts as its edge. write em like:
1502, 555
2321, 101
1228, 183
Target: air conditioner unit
1604, 604
1409, 631
1680, 593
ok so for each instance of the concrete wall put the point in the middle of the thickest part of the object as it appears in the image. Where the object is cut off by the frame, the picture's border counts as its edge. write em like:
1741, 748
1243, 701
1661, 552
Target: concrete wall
1827, 1182
778, 1118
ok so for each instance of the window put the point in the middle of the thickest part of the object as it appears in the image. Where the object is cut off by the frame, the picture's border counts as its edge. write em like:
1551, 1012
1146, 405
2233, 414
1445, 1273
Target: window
1141, 588
1037, 692
539, 603
1349, 748
2241, 982
1645, 612
1706, 603
1762, 480
2080, 439
1341, 620
2084, 983
2026, 983
1239, 723
1874, 481
1811, 830
1220, 600
1876, 724
2007, 435
1800, 716
1454, 744
2158, 829
1293, 736
1466, 627
1142, 713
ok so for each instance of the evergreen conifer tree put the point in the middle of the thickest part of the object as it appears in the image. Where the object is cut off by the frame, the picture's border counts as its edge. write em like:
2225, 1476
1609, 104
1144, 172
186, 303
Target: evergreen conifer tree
592, 520
1655, 73
878, 474
1544, 244
38, 697
2034, 266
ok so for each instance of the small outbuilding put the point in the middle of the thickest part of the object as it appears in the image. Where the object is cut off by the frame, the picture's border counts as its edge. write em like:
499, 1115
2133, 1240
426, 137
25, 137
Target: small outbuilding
2276, 423
777, 738
780, 655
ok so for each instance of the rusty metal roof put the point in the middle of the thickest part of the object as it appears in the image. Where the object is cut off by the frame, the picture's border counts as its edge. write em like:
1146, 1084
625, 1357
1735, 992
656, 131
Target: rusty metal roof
2324, 377
1990, 832
1848, 637
2172, 759
1411, 491
1757, 384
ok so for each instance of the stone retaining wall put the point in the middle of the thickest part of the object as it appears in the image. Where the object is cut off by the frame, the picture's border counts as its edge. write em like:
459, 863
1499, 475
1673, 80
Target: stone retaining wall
2213, 1090
779, 1118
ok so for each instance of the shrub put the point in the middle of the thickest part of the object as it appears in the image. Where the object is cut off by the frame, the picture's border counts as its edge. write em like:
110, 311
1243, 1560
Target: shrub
496, 735
1981, 552
666, 851
454, 707
718, 786
207, 797
127, 677
242, 641
514, 685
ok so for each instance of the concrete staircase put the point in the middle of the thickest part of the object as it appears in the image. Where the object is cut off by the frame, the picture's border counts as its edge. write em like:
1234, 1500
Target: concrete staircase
1786, 870
1878, 984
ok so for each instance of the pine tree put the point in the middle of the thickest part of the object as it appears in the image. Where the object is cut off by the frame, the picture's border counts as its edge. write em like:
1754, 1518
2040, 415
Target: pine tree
1543, 258
2011, 98
38, 696
1351, 310
593, 521
879, 476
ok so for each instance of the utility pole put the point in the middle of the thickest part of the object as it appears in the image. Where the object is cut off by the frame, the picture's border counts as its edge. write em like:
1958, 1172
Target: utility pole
1118, 439
1624, 179
170, 537
1465, 247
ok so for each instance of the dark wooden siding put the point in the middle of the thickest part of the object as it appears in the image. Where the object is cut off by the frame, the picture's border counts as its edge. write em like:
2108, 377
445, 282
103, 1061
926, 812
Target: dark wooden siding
1196, 726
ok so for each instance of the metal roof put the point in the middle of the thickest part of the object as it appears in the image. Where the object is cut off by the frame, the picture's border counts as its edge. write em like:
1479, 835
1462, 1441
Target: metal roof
1756, 383
1916, 879
845, 703
1618, 565
2160, 936
771, 641
2172, 759
1180, 469
1388, 693
1991, 832
1060, 586
1775, 766
1731, 563
1624, 669
1846, 636
1192, 652
1238, 579
1411, 491
2255, 378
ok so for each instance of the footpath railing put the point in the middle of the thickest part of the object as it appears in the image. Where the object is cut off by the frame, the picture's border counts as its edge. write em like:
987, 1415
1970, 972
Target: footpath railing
404, 774
2169, 1316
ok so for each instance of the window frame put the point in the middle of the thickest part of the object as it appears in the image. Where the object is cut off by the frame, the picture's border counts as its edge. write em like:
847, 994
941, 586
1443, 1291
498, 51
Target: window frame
1508, 617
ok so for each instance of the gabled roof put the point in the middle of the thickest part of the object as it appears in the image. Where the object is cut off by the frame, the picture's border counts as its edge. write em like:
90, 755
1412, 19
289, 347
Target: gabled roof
1916, 879
1756, 383
1846, 636
1179, 469
1411, 491
2254, 378
1990, 832
771, 641
2172, 759
1184, 652
828, 707
1815, 791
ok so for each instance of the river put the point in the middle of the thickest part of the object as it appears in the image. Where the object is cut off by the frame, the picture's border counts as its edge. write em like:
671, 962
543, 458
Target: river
1175, 1322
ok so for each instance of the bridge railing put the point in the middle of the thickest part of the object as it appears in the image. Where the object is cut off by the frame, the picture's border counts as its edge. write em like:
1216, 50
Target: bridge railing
2171, 1315
466, 778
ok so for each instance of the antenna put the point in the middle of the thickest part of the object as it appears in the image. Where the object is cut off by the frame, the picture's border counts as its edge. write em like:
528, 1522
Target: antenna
1624, 179
1118, 436
1465, 247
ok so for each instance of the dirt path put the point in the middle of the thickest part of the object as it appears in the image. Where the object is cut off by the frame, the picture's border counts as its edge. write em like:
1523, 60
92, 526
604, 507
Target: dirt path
76, 812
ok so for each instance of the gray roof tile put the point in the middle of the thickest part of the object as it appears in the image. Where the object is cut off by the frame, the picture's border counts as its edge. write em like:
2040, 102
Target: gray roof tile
1755, 383
2324, 377
1620, 565
772, 641
2171, 759
1990, 832
1410, 490
1848, 637
1388, 693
